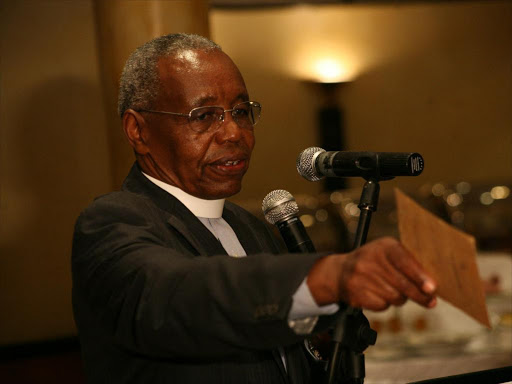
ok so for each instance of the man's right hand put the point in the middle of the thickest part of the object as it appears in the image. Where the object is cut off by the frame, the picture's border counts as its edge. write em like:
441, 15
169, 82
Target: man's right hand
379, 274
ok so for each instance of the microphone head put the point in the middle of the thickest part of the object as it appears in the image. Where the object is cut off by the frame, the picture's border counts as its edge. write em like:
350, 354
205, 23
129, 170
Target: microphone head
279, 205
306, 163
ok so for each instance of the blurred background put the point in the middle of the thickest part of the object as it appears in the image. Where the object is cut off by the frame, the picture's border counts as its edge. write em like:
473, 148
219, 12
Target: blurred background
433, 77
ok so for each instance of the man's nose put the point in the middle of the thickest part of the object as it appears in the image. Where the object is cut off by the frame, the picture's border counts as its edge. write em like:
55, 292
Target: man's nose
229, 129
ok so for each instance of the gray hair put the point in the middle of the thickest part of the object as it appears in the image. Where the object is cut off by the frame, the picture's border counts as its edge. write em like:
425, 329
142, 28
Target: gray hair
139, 82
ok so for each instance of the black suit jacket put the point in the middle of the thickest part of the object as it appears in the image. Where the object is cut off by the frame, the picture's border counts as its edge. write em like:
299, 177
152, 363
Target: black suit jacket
157, 300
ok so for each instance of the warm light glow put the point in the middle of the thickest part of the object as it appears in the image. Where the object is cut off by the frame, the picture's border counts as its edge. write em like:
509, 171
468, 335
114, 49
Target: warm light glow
307, 220
321, 215
486, 198
324, 64
352, 209
500, 192
454, 199
336, 197
438, 189
330, 71
463, 187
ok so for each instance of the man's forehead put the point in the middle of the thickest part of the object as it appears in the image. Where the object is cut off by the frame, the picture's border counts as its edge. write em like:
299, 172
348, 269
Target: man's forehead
193, 61
179, 69
189, 58
196, 74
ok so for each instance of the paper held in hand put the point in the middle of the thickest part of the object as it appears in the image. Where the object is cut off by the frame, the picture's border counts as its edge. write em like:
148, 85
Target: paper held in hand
446, 253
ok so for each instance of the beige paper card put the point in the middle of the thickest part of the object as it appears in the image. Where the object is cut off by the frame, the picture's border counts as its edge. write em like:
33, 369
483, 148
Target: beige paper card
446, 253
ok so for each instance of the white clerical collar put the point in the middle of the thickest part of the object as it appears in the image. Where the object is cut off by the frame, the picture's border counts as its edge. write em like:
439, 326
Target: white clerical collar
211, 209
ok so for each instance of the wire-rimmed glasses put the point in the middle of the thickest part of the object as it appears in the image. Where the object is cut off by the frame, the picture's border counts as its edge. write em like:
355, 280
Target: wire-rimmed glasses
202, 119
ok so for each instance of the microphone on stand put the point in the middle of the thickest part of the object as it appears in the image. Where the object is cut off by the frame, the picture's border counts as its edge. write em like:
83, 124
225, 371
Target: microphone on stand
314, 163
281, 209
353, 329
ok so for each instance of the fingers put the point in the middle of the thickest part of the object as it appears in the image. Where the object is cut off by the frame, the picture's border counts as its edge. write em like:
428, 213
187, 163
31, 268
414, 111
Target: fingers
407, 276
371, 300
384, 273
405, 262
387, 291
377, 299
366, 285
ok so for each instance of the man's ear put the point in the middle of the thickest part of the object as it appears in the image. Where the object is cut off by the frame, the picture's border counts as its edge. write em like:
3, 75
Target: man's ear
134, 126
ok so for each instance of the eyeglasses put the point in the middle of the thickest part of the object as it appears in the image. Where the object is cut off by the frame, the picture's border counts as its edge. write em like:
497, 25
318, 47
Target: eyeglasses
202, 119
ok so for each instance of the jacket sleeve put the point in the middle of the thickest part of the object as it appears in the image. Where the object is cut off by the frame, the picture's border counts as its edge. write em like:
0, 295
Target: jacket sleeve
139, 283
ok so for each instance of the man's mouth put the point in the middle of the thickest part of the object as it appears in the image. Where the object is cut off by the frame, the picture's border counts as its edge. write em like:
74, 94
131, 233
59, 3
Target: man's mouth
229, 166
231, 162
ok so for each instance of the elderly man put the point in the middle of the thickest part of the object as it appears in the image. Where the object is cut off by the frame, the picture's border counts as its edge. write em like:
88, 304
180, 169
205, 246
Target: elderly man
162, 290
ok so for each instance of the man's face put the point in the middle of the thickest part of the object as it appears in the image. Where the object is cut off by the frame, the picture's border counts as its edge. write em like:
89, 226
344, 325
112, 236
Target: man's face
209, 165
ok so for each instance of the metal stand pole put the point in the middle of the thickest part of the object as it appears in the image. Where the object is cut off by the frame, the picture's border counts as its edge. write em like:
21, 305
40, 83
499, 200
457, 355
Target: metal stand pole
353, 334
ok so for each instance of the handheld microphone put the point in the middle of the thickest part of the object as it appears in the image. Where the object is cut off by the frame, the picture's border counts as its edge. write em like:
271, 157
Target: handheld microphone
314, 163
281, 209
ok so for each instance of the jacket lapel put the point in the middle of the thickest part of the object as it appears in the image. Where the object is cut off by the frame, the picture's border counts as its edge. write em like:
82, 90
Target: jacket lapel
180, 217
196, 234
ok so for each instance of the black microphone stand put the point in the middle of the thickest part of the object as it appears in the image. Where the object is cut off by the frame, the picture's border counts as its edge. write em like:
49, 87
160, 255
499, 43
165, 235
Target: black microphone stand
352, 334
